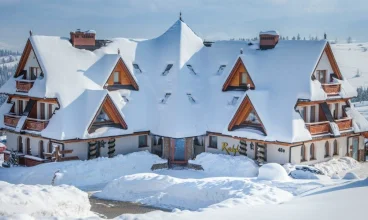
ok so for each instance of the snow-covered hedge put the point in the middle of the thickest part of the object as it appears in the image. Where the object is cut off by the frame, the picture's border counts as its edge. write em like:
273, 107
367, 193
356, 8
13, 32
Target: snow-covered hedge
273, 171
226, 165
169, 192
43, 201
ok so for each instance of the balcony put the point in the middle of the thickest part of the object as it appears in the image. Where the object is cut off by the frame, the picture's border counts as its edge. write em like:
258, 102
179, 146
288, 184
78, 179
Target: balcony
36, 124
11, 120
332, 89
24, 85
344, 123
318, 127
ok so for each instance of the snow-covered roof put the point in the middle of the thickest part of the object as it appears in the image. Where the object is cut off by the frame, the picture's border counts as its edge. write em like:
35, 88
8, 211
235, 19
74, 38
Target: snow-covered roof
76, 78
271, 32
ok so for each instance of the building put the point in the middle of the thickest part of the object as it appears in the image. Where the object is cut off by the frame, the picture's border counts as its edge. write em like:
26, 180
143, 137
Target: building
178, 96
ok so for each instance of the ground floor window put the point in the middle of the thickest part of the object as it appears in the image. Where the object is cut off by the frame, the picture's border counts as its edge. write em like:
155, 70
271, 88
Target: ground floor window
327, 149
41, 149
142, 141
312, 152
50, 147
20, 144
302, 153
213, 142
335, 148
28, 144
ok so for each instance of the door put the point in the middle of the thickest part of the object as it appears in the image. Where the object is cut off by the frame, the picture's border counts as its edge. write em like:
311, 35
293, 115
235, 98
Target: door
355, 148
179, 154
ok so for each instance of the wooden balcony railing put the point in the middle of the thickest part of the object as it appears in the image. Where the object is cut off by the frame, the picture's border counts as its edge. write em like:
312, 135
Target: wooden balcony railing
11, 120
331, 89
24, 85
318, 127
35, 124
344, 123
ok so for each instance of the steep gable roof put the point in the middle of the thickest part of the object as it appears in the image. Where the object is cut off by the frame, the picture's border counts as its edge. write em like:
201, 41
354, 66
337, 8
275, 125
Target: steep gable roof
23, 60
234, 78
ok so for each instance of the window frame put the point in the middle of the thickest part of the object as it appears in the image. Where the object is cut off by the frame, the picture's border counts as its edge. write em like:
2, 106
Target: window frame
116, 74
211, 137
145, 140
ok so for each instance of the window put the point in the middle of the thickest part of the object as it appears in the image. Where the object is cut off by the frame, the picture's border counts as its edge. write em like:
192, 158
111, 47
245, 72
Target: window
336, 111
327, 149
243, 79
42, 111
50, 111
221, 69
335, 148
20, 107
313, 114
34, 73
252, 118
50, 147
116, 77
167, 69
321, 76
41, 149
191, 69
213, 142
28, 144
164, 100
234, 100
136, 67
191, 99
312, 152
303, 113
302, 153
102, 117
142, 141
20, 144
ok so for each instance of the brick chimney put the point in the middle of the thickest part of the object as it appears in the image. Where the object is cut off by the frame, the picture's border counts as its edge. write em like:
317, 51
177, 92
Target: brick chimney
268, 39
83, 38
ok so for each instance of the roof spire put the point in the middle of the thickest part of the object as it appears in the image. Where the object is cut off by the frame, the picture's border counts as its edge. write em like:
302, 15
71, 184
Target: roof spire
30, 33
181, 19
119, 51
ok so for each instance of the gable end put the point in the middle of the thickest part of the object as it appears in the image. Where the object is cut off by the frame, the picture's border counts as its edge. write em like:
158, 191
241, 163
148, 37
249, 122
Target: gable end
236, 80
124, 80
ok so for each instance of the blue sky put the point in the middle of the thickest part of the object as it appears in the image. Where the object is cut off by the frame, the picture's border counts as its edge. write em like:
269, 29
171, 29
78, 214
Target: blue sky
211, 19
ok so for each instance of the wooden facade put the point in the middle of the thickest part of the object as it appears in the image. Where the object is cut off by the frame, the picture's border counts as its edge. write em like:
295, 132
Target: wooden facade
125, 77
24, 85
234, 80
318, 127
331, 89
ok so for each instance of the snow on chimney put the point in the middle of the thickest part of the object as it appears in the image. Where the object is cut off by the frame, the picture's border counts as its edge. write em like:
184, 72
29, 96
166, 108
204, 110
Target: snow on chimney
268, 39
83, 38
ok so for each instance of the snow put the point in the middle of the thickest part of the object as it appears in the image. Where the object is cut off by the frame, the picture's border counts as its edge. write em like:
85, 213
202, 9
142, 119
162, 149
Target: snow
273, 171
271, 32
82, 174
84, 74
43, 201
191, 194
351, 176
226, 165
335, 166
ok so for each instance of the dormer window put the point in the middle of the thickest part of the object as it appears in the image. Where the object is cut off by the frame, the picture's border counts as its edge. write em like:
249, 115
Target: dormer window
321, 76
221, 69
191, 99
164, 100
239, 78
137, 68
167, 69
234, 100
116, 77
34, 72
191, 69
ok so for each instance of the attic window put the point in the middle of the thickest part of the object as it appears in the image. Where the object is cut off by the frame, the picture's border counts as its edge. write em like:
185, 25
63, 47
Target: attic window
191, 99
164, 100
221, 69
125, 98
136, 67
234, 100
191, 69
168, 67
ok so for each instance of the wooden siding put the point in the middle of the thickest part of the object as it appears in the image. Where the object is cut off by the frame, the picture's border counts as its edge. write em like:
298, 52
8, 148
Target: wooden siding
24, 86
11, 120
35, 124
344, 124
318, 127
234, 77
125, 76
332, 89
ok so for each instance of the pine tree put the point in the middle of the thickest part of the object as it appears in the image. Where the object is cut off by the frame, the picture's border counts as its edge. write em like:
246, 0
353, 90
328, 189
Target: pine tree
298, 37
349, 40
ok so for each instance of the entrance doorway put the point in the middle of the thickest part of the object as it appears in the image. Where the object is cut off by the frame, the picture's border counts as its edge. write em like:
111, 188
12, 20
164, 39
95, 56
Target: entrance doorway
179, 152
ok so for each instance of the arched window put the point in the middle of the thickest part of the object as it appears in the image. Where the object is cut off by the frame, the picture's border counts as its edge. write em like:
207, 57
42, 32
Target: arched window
50, 147
28, 145
327, 149
335, 148
302, 153
20, 144
41, 149
312, 152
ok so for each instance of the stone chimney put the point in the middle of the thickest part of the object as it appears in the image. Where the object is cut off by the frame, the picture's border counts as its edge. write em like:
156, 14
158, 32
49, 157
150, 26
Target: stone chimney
268, 39
83, 38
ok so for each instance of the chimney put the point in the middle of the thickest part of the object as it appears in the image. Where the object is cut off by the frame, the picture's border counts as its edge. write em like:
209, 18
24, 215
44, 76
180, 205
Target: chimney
83, 38
268, 39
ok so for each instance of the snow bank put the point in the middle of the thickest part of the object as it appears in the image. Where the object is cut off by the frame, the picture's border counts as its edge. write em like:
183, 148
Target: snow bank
304, 172
193, 194
335, 166
272, 171
226, 165
43, 201
83, 173
351, 176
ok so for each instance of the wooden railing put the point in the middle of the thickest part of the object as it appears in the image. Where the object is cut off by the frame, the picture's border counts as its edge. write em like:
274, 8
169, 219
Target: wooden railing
318, 127
36, 124
24, 85
331, 89
344, 123
11, 120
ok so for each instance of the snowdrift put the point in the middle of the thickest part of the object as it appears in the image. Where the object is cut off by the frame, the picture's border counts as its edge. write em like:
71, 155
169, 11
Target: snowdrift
273, 171
43, 201
226, 165
334, 166
193, 194
83, 173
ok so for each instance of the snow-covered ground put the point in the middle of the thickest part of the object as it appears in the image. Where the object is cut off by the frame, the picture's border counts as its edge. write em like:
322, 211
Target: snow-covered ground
223, 190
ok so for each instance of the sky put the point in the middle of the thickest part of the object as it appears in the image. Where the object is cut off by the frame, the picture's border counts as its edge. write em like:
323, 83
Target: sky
210, 19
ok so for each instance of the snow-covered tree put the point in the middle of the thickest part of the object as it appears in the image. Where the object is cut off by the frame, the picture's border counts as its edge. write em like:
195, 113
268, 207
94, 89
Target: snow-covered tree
349, 40
298, 37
